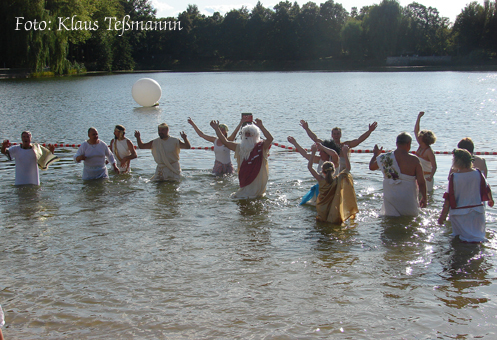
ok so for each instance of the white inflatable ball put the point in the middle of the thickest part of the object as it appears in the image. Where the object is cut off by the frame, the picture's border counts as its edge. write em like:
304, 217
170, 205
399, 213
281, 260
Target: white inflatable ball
146, 92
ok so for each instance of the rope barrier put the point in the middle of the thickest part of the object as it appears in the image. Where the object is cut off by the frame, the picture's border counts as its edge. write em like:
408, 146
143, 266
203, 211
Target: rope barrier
289, 148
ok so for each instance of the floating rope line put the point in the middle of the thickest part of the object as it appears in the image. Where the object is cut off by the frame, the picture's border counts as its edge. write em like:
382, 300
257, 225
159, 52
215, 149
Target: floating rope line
289, 148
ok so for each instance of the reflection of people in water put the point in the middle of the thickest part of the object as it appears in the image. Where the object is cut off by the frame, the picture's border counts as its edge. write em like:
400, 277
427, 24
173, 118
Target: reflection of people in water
467, 191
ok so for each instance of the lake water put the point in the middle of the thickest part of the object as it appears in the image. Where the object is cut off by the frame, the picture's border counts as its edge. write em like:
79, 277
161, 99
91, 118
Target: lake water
127, 258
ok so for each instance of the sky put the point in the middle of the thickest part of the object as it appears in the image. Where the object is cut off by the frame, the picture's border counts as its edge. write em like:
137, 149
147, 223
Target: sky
171, 8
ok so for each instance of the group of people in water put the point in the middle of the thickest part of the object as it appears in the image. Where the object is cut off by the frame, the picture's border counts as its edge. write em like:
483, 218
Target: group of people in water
406, 177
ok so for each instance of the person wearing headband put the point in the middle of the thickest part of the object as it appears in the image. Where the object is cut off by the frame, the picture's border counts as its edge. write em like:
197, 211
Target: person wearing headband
122, 148
222, 163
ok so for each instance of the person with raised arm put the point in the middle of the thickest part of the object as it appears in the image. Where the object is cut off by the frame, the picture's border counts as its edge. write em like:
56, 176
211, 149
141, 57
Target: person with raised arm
336, 200
328, 152
336, 135
251, 155
402, 175
222, 163
165, 150
29, 157
424, 152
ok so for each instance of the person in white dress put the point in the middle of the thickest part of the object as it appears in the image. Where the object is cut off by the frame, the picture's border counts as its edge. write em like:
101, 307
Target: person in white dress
425, 154
165, 151
466, 192
93, 153
222, 163
123, 149
29, 157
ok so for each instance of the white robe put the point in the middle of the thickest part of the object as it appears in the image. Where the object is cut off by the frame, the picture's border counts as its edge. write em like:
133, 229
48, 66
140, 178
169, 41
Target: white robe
166, 155
400, 192
468, 223
427, 167
258, 187
120, 150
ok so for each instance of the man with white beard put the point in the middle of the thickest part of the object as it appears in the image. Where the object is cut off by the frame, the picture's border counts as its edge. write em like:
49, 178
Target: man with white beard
251, 155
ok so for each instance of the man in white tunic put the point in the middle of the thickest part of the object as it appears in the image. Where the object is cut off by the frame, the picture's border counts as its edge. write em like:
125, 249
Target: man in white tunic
94, 152
165, 150
122, 148
29, 157
251, 155
403, 176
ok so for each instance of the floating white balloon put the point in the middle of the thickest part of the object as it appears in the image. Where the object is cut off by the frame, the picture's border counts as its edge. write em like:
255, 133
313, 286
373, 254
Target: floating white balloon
146, 92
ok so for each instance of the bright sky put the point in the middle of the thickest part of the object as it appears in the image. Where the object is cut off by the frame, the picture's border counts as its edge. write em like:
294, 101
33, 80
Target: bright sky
165, 8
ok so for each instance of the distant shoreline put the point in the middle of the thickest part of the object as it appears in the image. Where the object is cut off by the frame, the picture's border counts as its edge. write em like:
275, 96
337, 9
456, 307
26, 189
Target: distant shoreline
13, 73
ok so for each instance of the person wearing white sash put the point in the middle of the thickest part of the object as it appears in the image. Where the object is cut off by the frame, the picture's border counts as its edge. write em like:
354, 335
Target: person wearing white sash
29, 158
122, 148
165, 150
402, 176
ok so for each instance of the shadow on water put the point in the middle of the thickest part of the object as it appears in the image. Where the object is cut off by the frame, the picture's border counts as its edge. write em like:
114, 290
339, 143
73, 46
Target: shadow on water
148, 110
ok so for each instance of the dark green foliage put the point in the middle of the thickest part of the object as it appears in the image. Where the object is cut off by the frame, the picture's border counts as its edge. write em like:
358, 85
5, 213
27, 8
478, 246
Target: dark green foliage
285, 34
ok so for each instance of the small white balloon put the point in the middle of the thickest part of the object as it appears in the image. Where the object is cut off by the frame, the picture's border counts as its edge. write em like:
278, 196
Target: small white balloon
146, 92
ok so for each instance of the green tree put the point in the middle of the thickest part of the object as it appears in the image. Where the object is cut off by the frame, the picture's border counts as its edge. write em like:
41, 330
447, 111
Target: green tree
382, 27
353, 39
332, 19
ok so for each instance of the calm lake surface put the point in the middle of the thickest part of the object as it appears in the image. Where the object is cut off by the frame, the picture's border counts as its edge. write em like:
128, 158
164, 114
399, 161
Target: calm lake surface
132, 259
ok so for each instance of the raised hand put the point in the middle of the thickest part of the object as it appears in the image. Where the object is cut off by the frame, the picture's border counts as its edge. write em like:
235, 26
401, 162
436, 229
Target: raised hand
373, 126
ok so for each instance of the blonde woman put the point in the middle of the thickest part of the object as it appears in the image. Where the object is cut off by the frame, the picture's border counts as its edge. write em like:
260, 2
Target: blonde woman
424, 152
467, 191
222, 164
336, 200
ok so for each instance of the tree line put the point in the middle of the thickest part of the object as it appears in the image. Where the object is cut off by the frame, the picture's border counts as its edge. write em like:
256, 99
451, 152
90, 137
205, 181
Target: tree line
286, 32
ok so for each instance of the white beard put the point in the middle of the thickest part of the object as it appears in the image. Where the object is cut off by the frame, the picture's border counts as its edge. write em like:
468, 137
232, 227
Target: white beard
246, 146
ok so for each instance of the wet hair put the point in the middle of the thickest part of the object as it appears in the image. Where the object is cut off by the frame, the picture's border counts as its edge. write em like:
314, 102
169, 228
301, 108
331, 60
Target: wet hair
466, 144
427, 136
330, 144
223, 126
404, 138
462, 158
328, 170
